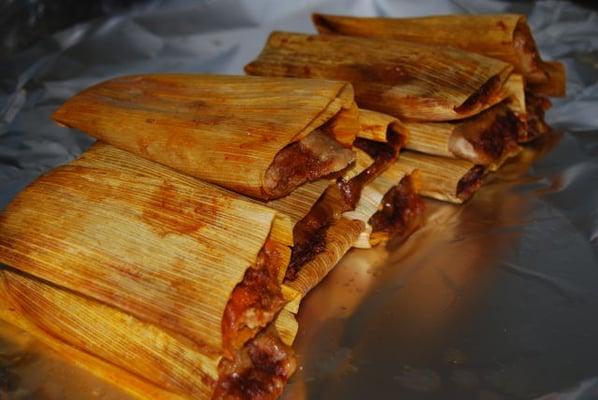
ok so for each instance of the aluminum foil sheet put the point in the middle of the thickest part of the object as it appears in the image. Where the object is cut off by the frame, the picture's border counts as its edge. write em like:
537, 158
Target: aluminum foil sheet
493, 300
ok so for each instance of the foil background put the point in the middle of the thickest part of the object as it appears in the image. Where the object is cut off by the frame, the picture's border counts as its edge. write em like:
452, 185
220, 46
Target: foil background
497, 299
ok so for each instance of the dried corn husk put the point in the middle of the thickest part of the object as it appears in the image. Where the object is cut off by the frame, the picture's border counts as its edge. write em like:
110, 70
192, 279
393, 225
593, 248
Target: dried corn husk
515, 87
140, 237
376, 126
139, 357
287, 326
448, 179
399, 78
298, 203
142, 349
223, 129
370, 202
483, 139
529, 107
506, 37
339, 238
556, 84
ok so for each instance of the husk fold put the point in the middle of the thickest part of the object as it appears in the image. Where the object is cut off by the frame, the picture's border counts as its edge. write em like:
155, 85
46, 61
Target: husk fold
141, 238
222, 129
398, 78
447, 179
505, 37
485, 139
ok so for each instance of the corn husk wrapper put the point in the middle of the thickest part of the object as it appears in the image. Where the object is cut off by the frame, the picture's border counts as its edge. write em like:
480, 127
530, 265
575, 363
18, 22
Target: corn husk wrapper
398, 78
376, 126
447, 179
138, 357
141, 238
287, 326
556, 85
340, 237
485, 139
515, 87
142, 349
373, 126
506, 37
528, 107
222, 129
371, 199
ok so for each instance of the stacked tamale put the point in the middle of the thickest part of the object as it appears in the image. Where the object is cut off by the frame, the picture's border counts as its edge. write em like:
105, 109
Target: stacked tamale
172, 256
467, 89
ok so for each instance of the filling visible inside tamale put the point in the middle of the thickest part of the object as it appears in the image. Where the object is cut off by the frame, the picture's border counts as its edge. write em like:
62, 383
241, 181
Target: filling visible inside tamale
321, 153
313, 157
470, 182
484, 95
490, 135
526, 50
535, 106
309, 234
259, 371
401, 212
253, 303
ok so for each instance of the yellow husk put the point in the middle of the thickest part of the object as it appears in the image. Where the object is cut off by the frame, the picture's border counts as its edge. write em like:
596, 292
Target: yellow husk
375, 126
297, 204
139, 237
457, 139
138, 357
557, 81
222, 129
163, 361
287, 326
500, 36
371, 197
398, 78
339, 238
440, 176
515, 87
431, 137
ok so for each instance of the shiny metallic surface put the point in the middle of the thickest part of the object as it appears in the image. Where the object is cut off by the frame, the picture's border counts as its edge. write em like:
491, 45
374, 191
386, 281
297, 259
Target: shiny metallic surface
496, 299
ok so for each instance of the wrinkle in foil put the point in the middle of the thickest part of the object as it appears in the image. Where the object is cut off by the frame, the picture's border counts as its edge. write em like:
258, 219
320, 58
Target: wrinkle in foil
492, 300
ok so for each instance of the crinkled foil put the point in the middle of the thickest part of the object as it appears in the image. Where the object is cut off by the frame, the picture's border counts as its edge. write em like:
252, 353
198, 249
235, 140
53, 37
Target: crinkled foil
496, 299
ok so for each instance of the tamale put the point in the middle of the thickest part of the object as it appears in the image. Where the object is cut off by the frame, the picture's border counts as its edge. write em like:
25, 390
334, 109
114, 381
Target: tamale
389, 206
310, 232
156, 245
556, 85
262, 137
535, 107
528, 107
139, 357
506, 37
483, 139
340, 237
448, 179
398, 78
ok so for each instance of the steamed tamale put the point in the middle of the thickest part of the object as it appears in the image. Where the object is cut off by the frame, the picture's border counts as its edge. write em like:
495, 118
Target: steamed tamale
535, 107
486, 139
262, 137
506, 37
528, 107
442, 178
399, 78
389, 206
310, 233
556, 85
200, 264
139, 357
